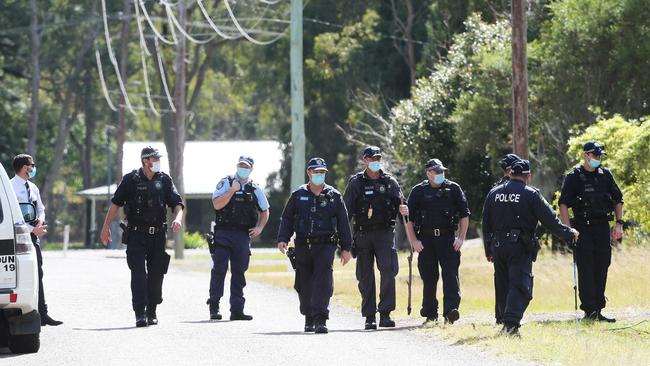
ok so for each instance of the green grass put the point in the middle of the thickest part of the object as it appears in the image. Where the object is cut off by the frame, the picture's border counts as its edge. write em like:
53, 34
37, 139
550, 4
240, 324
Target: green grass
59, 246
549, 342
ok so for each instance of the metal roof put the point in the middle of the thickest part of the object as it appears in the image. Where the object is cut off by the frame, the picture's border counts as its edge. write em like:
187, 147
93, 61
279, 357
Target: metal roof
205, 163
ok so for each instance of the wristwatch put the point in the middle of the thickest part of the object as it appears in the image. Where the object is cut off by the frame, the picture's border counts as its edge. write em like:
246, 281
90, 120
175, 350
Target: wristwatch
620, 221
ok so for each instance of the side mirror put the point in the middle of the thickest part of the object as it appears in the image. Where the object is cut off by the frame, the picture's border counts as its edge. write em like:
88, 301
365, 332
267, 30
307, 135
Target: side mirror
29, 212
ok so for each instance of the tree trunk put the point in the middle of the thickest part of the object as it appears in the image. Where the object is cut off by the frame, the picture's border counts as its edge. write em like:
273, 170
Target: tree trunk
36, 80
178, 146
120, 134
519, 80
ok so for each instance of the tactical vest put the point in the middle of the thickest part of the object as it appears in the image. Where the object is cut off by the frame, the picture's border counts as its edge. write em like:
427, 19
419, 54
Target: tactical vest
437, 209
593, 200
147, 205
315, 215
374, 206
241, 211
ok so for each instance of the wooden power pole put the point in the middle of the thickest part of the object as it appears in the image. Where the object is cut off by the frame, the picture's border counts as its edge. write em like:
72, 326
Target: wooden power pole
297, 98
519, 79
176, 157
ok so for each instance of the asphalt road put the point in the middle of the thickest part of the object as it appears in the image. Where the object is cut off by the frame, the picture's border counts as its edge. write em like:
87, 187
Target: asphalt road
89, 291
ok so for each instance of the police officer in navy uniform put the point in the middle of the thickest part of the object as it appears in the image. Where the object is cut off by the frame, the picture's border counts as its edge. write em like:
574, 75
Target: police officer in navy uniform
316, 213
145, 194
373, 199
28, 192
506, 164
511, 213
438, 208
591, 191
241, 212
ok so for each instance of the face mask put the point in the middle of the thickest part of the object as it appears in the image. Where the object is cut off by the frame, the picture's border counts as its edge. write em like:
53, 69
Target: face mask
243, 173
594, 163
374, 166
318, 178
155, 167
32, 174
439, 178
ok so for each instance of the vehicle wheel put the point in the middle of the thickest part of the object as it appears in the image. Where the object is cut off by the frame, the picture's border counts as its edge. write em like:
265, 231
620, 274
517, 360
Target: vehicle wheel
24, 343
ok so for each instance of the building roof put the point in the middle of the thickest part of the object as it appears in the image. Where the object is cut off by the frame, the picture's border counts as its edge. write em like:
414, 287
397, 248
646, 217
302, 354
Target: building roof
205, 163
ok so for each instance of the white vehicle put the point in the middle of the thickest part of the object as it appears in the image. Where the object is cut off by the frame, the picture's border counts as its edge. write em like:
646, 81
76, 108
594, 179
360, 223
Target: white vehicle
20, 322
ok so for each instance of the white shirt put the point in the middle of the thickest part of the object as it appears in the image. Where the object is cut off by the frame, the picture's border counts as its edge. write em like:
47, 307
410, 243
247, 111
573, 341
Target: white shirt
18, 185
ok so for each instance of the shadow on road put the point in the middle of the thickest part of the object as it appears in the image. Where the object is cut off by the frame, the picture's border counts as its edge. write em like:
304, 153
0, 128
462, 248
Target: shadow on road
106, 329
410, 327
6, 353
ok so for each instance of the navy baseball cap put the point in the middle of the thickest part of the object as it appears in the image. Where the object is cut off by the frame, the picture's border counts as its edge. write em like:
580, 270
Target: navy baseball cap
520, 167
316, 163
246, 160
371, 151
150, 152
435, 164
595, 148
508, 160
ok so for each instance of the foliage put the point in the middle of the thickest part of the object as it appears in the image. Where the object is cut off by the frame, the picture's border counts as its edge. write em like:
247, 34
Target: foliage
194, 240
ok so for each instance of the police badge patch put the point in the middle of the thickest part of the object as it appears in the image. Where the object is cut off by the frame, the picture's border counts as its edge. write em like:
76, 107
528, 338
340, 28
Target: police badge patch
158, 185
382, 188
220, 185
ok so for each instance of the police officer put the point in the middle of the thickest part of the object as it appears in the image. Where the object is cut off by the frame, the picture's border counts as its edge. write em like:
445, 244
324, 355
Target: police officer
510, 215
591, 191
373, 199
438, 207
506, 164
144, 193
28, 192
316, 213
237, 201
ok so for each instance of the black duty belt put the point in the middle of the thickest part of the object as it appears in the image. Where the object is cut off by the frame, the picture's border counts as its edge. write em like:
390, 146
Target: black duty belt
436, 232
327, 239
373, 227
148, 229
598, 221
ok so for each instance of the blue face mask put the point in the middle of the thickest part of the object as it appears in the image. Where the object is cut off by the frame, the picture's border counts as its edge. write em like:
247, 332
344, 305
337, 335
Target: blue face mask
439, 178
243, 173
374, 166
594, 163
32, 174
318, 178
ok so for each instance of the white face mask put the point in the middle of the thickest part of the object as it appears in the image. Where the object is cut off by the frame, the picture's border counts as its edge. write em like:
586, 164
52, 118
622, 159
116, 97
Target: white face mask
155, 167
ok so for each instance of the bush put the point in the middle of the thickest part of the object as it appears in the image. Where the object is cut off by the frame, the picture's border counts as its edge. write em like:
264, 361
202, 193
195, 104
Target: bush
194, 240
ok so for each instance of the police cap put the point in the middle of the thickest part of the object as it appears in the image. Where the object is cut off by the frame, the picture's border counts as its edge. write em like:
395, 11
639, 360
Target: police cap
150, 152
436, 165
246, 160
594, 147
520, 167
508, 160
316, 163
371, 152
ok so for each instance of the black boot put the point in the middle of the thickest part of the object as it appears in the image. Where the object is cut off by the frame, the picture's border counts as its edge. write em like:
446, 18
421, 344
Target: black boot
140, 319
452, 316
601, 318
240, 316
309, 324
321, 327
214, 310
371, 323
510, 330
46, 320
385, 320
152, 318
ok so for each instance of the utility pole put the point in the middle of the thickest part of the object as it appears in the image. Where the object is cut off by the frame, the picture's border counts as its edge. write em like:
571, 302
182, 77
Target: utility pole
176, 158
297, 98
35, 35
519, 79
